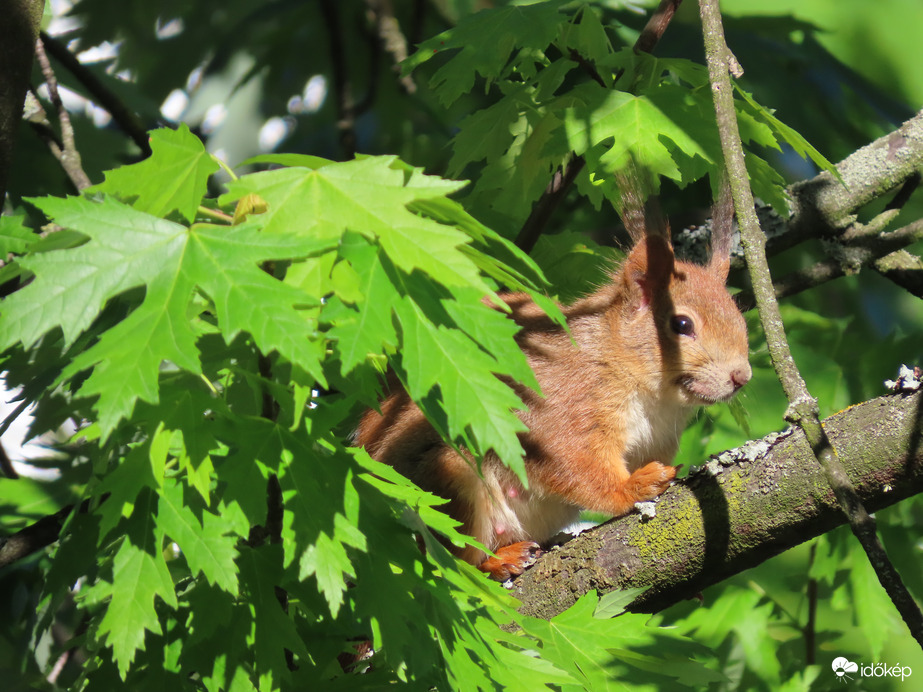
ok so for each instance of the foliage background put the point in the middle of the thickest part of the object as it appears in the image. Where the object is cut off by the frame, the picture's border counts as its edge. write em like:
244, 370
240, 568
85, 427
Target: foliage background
805, 61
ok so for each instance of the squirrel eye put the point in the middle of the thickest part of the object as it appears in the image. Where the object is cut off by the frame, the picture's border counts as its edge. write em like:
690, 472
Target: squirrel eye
682, 325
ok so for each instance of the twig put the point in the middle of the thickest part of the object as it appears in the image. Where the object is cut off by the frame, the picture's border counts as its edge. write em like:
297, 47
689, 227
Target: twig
392, 40
67, 153
810, 626
802, 409
418, 16
852, 252
124, 117
907, 189
555, 191
587, 67
36, 536
6, 466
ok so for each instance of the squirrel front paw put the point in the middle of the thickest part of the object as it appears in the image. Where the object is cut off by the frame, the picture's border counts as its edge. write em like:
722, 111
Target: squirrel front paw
650, 481
511, 560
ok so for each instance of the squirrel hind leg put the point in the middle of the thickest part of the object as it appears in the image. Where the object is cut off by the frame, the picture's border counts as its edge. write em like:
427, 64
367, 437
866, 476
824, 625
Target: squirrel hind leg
511, 560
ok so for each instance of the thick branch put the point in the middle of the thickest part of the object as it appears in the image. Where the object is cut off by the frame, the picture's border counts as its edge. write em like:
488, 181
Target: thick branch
824, 205
741, 509
33, 538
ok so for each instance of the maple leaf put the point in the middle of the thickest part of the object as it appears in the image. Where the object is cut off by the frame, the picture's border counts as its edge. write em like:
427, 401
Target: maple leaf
473, 398
137, 577
364, 329
174, 177
14, 236
486, 40
205, 543
370, 196
636, 126
127, 249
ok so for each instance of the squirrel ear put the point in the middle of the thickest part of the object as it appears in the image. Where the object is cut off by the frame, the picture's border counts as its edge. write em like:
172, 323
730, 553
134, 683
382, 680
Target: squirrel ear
650, 266
722, 227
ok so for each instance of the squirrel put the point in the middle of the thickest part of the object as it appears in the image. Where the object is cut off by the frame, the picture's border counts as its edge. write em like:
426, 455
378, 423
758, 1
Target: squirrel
661, 338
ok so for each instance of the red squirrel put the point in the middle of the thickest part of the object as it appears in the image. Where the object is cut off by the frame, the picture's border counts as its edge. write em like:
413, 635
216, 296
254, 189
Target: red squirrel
660, 339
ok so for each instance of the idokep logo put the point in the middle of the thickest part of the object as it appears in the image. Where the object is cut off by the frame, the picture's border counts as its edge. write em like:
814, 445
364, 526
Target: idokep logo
843, 666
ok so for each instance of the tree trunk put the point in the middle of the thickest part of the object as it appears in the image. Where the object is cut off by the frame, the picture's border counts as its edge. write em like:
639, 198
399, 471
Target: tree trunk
19, 26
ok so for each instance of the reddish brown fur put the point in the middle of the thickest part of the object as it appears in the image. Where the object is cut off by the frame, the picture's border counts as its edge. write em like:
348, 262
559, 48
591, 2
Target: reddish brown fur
612, 406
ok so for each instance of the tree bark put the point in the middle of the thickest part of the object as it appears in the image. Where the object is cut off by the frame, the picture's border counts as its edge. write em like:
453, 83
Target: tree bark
19, 25
740, 509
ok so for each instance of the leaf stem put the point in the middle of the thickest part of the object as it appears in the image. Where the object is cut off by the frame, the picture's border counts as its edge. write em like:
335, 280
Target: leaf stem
227, 169
216, 214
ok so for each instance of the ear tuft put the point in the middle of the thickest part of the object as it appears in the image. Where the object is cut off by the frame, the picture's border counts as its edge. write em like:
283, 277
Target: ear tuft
722, 226
650, 266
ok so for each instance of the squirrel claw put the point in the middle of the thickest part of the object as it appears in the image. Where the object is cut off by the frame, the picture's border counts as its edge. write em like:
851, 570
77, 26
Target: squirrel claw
511, 560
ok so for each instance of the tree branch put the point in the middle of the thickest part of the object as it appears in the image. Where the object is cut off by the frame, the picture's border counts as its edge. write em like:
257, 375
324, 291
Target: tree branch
824, 206
392, 40
880, 251
66, 153
342, 88
802, 408
656, 26
904, 269
34, 537
742, 508
124, 117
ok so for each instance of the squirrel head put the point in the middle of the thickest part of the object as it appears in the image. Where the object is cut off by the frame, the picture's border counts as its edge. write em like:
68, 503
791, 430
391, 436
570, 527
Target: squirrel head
688, 334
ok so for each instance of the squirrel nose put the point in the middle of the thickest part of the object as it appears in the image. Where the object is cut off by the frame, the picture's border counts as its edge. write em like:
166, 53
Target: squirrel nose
740, 377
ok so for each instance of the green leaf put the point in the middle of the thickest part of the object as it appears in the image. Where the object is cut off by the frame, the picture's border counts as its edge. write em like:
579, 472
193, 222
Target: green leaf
317, 527
15, 237
875, 613
273, 630
573, 263
485, 134
304, 160
602, 653
205, 542
174, 177
137, 577
486, 40
124, 484
369, 196
367, 329
472, 397
128, 248
792, 138
637, 127
615, 602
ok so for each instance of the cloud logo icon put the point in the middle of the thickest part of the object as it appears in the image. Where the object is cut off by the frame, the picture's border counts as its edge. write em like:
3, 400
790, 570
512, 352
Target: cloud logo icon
841, 666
